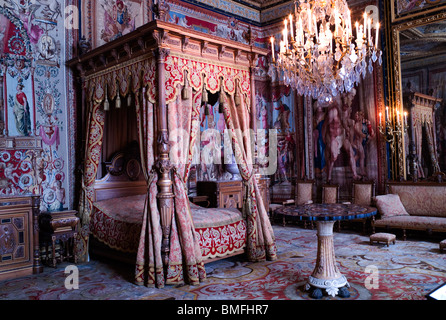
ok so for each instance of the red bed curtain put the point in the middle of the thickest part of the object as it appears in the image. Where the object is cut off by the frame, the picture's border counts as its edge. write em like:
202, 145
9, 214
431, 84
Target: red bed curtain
260, 238
185, 259
149, 266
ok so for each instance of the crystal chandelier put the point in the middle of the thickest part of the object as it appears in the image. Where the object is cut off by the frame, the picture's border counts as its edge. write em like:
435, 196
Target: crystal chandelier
318, 55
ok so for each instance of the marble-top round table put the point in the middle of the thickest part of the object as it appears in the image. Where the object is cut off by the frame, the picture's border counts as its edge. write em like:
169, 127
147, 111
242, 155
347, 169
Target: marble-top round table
326, 275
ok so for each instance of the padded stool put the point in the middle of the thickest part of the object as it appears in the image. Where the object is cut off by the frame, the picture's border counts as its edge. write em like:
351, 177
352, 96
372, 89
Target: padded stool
272, 207
443, 245
382, 237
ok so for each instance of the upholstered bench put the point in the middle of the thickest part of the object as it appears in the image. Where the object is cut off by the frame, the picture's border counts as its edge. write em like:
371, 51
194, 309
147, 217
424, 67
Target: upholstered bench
443, 245
382, 237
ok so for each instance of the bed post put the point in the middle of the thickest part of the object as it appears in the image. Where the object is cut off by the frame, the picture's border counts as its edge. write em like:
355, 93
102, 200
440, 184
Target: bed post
165, 195
252, 68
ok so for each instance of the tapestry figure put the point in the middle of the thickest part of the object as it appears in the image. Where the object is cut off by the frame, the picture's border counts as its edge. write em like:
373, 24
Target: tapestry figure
318, 139
21, 112
282, 162
118, 21
282, 121
263, 117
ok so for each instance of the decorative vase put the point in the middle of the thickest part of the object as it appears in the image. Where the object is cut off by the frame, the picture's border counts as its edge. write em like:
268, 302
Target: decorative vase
232, 168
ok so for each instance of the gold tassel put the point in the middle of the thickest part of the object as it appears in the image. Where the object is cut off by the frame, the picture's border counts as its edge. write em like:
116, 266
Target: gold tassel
106, 104
204, 97
185, 91
118, 101
221, 100
237, 99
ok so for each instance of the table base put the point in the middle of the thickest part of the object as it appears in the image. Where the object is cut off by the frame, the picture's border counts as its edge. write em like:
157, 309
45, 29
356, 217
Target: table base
332, 287
326, 275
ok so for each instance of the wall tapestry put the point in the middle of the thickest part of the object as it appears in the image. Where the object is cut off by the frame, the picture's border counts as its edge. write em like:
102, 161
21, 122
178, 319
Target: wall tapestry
33, 113
408, 8
106, 20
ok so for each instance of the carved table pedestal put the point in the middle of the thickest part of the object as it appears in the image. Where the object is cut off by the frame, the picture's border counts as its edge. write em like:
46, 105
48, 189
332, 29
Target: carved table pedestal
326, 275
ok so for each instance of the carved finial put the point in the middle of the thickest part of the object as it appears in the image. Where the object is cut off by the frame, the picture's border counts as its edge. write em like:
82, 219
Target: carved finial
185, 43
84, 45
114, 54
221, 51
161, 10
204, 47
247, 36
128, 49
142, 43
102, 58
160, 36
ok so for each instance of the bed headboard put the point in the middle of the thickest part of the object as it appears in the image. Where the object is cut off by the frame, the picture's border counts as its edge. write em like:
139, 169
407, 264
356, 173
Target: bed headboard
124, 175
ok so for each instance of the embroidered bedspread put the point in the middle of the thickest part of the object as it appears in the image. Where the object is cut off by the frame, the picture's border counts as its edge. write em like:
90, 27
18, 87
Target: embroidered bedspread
117, 223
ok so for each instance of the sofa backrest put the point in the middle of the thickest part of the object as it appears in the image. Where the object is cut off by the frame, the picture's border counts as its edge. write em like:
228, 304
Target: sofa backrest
421, 198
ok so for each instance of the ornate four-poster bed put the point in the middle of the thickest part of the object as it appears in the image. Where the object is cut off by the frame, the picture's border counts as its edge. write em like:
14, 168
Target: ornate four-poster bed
141, 204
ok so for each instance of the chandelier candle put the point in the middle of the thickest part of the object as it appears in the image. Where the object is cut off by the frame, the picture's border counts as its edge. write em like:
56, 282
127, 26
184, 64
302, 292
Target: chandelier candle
319, 56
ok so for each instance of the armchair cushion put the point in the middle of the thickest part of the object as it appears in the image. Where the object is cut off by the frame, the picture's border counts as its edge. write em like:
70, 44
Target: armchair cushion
363, 194
304, 193
330, 195
389, 205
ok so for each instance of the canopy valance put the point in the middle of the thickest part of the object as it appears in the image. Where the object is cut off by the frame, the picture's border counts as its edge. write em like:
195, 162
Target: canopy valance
141, 73
130, 63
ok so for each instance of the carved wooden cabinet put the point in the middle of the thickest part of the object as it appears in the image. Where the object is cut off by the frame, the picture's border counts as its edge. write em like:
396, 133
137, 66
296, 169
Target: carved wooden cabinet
19, 236
222, 194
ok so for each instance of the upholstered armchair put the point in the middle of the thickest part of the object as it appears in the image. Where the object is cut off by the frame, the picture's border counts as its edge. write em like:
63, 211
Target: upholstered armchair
362, 194
303, 195
330, 193
304, 191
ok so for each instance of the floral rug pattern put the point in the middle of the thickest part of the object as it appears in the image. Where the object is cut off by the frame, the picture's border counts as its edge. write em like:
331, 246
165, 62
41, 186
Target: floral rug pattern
407, 270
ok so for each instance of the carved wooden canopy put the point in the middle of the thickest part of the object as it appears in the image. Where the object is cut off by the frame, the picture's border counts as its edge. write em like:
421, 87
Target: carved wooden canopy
130, 62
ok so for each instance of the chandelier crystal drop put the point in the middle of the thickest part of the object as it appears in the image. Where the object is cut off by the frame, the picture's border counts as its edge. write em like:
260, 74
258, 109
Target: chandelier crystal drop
318, 55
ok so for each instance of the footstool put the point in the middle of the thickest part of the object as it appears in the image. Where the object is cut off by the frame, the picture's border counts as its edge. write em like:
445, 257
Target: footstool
443, 245
382, 237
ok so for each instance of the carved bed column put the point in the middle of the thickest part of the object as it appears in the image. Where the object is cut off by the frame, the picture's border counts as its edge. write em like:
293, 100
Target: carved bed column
252, 61
165, 195
2, 120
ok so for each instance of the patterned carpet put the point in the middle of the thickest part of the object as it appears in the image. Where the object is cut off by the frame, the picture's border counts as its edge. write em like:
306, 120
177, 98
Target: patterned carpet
407, 270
